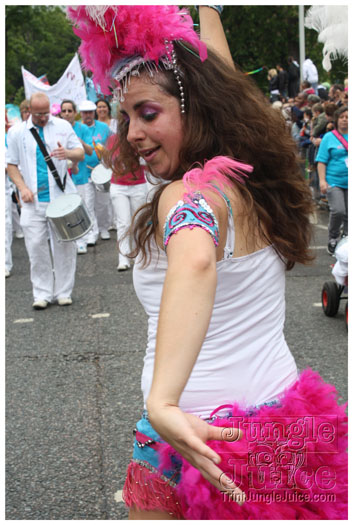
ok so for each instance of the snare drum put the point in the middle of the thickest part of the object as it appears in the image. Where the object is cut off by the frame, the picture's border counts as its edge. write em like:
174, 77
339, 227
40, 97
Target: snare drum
101, 177
69, 217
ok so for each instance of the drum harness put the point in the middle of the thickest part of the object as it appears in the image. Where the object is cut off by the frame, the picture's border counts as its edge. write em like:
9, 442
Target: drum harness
48, 160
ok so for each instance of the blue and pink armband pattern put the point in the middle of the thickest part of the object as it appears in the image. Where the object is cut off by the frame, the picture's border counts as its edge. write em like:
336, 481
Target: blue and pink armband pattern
194, 213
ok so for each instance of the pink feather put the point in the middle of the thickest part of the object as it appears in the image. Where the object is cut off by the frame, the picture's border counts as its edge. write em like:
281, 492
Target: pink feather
217, 173
139, 30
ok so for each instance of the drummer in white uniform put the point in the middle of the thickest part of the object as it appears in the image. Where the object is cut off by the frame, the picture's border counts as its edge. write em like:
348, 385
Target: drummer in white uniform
38, 188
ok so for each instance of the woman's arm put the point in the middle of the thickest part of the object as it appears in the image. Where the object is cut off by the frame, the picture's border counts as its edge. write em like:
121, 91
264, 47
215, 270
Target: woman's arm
187, 302
185, 312
187, 299
212, 33
321, 169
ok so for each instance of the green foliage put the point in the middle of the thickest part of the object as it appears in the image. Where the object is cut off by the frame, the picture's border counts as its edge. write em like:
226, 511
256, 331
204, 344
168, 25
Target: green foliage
261, 36
20, 95
41, 39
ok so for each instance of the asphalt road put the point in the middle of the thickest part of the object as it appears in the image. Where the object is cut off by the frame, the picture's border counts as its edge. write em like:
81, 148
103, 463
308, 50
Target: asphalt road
73, 379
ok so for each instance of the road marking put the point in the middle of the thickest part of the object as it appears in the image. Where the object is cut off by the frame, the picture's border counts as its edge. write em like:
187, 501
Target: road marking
318, 247
98, 316
321, 226
317, 305
118, 496
28, 320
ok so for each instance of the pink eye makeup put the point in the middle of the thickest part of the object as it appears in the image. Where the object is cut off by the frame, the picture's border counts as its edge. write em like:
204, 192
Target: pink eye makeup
149, 111
125, 117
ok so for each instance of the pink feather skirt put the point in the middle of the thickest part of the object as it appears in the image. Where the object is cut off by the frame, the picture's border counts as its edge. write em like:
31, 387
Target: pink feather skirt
291, 463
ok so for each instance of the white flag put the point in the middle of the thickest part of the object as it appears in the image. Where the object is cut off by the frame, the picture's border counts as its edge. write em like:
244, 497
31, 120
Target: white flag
71, 85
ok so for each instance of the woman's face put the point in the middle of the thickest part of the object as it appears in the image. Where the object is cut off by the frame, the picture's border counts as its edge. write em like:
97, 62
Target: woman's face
342, 122
155, 128
102, 111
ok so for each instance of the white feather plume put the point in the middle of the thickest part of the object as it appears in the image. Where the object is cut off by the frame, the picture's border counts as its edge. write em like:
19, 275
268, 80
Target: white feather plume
96, 13
331, 22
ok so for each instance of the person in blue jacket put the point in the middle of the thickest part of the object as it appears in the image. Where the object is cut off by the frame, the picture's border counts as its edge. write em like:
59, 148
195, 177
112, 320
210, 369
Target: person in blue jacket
332, 159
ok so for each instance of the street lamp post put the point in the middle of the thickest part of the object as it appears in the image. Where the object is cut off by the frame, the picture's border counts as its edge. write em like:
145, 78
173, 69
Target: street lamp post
301, 40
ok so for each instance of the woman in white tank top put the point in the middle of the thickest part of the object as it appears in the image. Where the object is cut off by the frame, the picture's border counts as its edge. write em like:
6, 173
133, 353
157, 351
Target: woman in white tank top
213, 246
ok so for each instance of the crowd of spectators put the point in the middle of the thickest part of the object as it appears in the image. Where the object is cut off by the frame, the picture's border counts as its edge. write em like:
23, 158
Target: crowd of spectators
310, 114
309, 117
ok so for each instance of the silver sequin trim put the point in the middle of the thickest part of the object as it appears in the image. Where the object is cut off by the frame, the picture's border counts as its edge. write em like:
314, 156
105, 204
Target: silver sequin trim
154, 470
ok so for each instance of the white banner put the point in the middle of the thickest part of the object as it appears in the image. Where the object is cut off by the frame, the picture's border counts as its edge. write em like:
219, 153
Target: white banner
71, 85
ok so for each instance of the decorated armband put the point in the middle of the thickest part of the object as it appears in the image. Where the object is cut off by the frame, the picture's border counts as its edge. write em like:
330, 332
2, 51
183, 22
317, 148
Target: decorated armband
191, 213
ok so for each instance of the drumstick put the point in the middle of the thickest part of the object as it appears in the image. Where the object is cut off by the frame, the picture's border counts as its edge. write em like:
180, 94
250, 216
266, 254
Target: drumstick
98, 148
17, 199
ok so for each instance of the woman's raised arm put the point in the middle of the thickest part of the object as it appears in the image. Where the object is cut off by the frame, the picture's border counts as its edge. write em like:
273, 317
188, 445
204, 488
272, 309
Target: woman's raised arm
212, 33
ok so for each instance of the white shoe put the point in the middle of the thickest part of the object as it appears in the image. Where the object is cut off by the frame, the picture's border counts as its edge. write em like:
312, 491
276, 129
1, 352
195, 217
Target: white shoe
64, 301
82, 248
40, 305
122, 267
91, 242
7, 273
19, 235
105, 235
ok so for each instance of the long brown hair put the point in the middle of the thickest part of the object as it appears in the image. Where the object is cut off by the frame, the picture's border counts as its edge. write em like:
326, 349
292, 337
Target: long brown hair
226, 114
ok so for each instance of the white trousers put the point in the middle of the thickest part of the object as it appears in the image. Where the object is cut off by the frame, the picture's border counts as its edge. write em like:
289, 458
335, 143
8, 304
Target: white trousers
103, 209
15, 218
8, 228
87, 192
53, 263
16, 227
126, 200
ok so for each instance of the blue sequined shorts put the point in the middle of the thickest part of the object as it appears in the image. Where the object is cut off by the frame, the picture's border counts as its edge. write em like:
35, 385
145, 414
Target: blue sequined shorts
146, 454
146, 439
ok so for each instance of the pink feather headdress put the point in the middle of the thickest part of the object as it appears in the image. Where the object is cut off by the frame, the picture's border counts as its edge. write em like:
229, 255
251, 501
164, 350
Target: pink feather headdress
117, 39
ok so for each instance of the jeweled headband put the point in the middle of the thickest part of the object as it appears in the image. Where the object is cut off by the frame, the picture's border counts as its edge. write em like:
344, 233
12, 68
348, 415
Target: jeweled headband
117, 41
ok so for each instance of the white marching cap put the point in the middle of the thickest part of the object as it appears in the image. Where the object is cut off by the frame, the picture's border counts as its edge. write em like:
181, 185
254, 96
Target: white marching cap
87, 105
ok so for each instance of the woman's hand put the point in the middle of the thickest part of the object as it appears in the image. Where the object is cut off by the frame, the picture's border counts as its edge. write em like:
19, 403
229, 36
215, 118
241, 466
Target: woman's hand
323, 187
188, 434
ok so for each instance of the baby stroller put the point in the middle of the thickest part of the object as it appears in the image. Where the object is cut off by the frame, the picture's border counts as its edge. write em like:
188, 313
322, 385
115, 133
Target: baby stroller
335, 291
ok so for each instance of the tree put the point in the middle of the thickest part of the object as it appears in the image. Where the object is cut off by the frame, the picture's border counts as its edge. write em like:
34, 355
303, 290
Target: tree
41, 39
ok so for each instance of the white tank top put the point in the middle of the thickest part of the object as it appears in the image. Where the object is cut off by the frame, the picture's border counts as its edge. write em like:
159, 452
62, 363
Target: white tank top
244, 357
